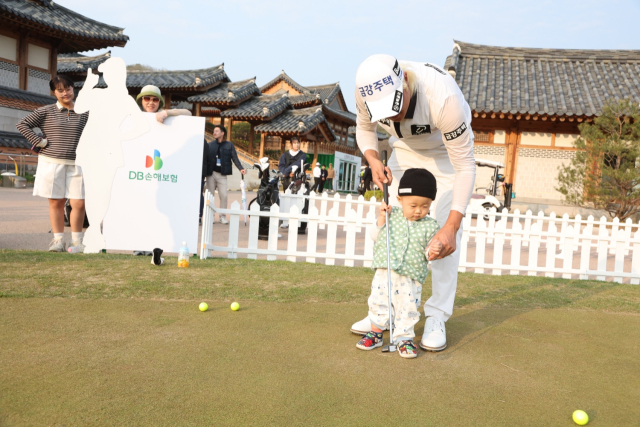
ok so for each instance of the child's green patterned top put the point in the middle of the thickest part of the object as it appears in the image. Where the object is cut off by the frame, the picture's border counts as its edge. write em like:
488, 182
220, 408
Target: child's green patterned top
409, 240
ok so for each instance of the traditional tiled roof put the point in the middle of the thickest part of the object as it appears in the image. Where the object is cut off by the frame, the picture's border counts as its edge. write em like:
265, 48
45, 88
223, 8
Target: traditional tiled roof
284, 76
346, 115
77, 33
306, 100
228, 93
26, 96
329, 92
13, 140
297, 122
262, 107
187, 80
563, 82
75, 63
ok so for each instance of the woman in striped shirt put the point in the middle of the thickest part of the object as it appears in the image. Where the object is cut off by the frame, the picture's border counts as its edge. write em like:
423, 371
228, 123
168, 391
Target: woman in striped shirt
58, 177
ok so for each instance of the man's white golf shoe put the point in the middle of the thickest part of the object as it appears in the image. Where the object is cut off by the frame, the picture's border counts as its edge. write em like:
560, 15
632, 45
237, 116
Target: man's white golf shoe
361, 327
435, 335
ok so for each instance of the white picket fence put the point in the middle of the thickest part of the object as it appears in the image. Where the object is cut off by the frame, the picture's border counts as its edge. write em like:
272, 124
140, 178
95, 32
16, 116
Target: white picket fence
503, 244
582, 247
317, 219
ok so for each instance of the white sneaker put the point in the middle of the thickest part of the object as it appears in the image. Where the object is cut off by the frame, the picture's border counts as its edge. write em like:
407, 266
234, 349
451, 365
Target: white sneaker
224, 221
56, 245
435, 335
362, 327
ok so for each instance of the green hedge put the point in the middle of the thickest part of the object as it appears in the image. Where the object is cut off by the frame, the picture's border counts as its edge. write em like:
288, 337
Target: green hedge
378, 194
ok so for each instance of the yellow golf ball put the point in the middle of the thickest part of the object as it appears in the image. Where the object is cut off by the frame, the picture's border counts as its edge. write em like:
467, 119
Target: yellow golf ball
580, 417
203, 306
235, 306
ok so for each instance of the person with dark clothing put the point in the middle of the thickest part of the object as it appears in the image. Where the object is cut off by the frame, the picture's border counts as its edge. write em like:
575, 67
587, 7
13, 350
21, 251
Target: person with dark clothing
223, 152
296, 157
367, 178
323, 177
205, 173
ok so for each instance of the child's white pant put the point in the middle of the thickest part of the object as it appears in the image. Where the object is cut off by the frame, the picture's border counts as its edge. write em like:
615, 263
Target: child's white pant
405, 298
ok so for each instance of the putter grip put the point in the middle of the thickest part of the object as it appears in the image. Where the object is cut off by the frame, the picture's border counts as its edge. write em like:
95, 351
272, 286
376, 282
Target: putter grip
385, 189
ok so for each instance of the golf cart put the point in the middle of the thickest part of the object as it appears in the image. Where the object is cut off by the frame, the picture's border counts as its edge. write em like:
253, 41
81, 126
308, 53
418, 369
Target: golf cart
485, 198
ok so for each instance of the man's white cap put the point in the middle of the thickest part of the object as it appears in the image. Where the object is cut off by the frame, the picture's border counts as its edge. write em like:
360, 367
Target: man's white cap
318, 164
379, 85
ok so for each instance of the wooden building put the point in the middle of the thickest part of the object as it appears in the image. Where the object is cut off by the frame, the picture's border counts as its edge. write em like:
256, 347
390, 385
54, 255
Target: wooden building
32, 35
527, 105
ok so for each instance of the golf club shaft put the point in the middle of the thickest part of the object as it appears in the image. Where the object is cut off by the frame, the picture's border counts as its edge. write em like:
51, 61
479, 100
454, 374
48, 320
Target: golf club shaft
386, 222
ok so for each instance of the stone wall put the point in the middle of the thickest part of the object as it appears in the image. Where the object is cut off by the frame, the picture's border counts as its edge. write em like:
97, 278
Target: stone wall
537, 172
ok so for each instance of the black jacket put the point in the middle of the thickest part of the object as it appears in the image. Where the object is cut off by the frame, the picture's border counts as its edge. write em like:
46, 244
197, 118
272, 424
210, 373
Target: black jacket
287, 161
205, 160
227, 155
323, 174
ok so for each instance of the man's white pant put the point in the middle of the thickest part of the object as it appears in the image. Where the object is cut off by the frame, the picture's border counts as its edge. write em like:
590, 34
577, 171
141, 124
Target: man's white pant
444, 271
405, 298
219, 182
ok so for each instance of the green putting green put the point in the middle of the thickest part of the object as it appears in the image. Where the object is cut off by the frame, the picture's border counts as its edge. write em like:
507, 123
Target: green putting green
522, 351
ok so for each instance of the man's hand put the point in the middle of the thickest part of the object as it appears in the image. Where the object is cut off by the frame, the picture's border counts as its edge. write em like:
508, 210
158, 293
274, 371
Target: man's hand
443, 243
243, 171
378, 169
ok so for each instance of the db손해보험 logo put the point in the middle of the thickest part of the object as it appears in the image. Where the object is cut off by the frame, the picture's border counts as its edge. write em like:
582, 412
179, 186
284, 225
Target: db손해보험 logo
156, 161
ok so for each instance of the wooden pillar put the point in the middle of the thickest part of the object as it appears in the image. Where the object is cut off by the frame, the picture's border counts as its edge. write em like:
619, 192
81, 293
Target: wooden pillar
262, 136
53, 61
511, 154
251, 137
198, 109
167, 101
315, 153
228, 135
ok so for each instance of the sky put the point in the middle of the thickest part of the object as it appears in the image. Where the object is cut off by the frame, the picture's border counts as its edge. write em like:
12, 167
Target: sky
322, 42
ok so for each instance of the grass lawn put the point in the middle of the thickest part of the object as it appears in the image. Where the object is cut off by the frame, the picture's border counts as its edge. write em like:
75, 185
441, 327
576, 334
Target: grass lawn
114, 340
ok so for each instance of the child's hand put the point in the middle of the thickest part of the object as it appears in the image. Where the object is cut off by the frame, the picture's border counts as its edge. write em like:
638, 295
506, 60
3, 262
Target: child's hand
433, 251
382, 217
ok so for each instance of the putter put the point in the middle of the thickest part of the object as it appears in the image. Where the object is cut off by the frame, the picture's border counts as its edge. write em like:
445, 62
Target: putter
391, 347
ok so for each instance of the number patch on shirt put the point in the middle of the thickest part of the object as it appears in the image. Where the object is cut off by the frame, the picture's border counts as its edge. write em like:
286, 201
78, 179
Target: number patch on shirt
450, 136
420, 129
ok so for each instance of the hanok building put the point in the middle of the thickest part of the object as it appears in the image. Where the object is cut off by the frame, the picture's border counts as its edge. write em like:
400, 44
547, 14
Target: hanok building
527, 105
32, 35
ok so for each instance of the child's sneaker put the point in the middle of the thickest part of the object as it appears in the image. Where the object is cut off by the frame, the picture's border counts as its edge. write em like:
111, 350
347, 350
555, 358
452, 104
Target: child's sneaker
407, 349
76, 248
56, 245
370, 341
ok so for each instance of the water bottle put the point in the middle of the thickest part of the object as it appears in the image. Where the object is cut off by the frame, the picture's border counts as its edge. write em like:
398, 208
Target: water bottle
183, 256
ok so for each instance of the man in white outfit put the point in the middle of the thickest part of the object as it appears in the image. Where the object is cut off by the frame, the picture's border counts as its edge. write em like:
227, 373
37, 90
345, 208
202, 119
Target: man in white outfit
422, 108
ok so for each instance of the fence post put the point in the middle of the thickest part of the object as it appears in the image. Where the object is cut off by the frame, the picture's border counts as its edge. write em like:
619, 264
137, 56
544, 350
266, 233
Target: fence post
526, 228
498, 247
481, 234
533, 249
204, 240
350, 241
516, 245
254, 229
551, 245
234, 221
368, 242
603, 246
272, 244
332, 228
614, 233
285, 205
585, 251
621, 244
464, 241
312, 233
323, 207
567, 262
292, 241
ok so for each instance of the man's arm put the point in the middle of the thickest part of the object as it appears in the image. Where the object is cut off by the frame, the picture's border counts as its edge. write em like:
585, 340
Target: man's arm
236, 161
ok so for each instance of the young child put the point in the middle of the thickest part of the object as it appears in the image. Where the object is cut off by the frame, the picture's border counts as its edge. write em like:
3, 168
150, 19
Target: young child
410, 231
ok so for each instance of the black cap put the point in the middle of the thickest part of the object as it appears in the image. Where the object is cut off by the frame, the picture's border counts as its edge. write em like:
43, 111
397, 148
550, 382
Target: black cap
418, 182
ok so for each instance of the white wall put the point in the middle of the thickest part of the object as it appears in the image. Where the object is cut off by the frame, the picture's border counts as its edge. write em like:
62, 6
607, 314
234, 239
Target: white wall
537, 172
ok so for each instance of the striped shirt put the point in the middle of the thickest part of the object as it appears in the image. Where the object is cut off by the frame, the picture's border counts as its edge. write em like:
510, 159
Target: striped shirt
61, 128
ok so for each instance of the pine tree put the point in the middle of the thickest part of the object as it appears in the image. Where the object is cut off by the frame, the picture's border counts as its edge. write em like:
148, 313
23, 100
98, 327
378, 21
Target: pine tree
604, 173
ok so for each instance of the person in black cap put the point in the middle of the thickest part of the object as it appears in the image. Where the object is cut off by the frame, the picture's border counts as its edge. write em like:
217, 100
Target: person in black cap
410, 232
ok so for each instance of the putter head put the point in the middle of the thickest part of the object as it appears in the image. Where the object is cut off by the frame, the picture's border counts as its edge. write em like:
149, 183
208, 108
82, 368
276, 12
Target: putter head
389, 348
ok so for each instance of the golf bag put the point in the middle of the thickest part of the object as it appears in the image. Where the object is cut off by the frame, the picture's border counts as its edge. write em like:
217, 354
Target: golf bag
267, 195
300, 185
